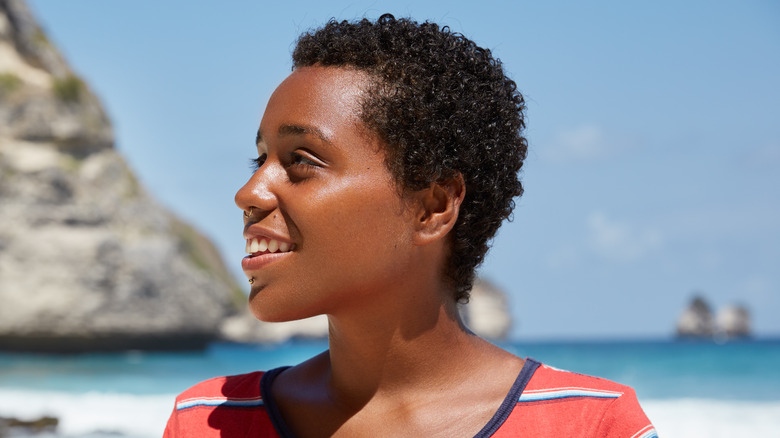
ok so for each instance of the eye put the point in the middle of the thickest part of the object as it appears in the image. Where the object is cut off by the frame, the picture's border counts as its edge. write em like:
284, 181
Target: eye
297, 159
256, 163
303, 165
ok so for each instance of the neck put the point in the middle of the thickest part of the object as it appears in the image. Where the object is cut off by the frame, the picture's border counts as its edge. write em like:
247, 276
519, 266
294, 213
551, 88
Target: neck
404, 347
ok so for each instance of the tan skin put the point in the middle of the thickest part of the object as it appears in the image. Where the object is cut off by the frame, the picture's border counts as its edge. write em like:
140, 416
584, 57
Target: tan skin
400, 361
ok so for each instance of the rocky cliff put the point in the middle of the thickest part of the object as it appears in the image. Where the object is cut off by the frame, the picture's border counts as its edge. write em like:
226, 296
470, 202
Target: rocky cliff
88, 260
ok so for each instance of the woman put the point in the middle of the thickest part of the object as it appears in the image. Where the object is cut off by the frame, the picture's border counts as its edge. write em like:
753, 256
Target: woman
386, 162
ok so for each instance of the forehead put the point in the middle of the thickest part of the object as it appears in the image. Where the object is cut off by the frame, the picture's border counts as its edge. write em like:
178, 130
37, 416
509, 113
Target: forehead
327, 99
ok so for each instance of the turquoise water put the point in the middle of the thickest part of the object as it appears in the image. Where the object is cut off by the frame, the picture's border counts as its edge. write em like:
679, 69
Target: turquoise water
737, 370
144, 373
688, 389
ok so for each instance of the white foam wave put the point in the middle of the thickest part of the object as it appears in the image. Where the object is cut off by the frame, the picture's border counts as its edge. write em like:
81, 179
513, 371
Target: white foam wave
694, 418
144, 416
137, 416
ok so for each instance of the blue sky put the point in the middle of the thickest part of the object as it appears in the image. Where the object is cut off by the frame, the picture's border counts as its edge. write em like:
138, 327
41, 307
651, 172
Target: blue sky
653, 126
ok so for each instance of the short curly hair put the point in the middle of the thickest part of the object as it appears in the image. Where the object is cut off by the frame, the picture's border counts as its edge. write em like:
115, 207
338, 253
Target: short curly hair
443, 106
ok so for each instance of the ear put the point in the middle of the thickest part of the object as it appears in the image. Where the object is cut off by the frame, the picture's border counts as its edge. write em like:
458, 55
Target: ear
439, 206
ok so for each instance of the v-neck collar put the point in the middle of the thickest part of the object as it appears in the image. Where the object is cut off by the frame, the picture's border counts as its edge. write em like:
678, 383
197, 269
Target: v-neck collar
529, 367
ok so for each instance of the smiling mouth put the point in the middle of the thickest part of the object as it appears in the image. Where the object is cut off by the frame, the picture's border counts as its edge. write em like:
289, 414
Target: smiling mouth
267, 246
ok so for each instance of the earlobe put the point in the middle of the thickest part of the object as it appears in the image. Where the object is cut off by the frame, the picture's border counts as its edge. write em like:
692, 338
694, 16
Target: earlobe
439, 209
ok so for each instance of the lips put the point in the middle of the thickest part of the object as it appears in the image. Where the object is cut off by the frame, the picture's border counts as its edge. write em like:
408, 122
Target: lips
263, 247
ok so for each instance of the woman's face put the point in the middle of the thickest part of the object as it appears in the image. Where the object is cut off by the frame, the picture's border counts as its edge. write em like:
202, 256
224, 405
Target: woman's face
328, 228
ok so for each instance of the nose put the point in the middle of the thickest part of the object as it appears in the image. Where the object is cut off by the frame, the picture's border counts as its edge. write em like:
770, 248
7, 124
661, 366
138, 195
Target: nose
259, 192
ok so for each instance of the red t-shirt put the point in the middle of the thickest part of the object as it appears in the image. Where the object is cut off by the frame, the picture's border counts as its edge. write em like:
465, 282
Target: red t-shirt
543, 402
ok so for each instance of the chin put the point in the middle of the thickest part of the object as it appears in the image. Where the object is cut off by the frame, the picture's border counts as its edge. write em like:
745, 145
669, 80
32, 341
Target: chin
284, 310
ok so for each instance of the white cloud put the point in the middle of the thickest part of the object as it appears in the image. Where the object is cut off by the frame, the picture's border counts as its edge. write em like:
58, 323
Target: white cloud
619, 241
582, 143
766, 156
563, 257
757, 289
586, 142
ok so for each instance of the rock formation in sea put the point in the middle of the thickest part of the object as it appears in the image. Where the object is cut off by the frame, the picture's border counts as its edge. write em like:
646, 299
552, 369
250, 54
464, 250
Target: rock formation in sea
245, 328
697, 320
486, 314
88, 259
733, 321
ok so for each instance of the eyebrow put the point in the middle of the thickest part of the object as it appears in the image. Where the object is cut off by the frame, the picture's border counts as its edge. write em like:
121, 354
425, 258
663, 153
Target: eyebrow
286, 130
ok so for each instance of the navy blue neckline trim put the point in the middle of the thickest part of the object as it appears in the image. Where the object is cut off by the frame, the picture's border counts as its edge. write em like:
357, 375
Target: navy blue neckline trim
270, 405
529, 367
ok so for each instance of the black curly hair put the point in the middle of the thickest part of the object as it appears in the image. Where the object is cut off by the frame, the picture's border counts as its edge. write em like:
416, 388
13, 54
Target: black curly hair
443, 106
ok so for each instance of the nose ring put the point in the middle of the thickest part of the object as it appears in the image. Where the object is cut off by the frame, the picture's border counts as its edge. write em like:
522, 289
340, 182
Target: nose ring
249, 213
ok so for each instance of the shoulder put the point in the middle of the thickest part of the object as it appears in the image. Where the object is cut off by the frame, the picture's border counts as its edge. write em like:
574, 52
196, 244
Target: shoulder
549, 382
562, 403
224, 388
222, 406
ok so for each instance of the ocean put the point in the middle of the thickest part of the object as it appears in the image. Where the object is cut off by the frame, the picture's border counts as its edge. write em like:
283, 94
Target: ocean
688, 388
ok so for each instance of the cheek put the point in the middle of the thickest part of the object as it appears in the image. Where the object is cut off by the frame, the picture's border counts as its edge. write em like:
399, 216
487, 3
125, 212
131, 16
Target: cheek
358, 221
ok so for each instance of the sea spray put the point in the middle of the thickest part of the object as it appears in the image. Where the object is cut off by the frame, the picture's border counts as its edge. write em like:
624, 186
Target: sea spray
705, 418
92, 414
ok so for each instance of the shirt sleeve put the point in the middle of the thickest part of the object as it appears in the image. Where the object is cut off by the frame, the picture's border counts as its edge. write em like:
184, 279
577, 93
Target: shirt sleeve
625, 419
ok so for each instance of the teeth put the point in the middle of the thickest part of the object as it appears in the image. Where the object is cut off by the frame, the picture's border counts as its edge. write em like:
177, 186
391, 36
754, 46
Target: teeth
263, 245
